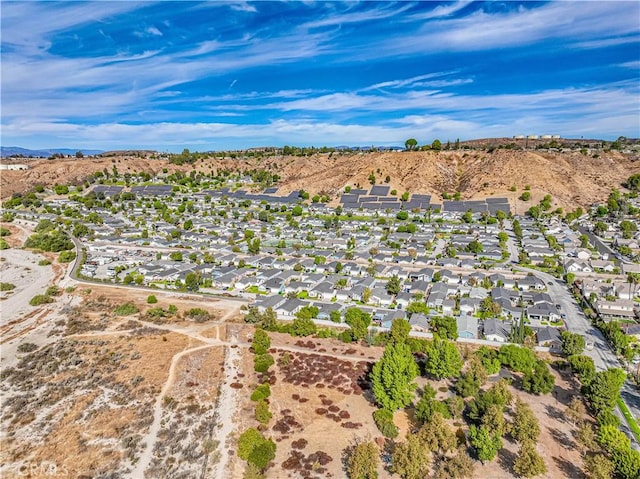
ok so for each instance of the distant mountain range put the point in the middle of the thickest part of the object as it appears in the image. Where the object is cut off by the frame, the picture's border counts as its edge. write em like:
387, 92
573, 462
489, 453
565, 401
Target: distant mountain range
7, 151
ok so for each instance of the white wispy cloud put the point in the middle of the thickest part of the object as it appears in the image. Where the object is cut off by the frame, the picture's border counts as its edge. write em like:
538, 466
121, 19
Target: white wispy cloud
383, 10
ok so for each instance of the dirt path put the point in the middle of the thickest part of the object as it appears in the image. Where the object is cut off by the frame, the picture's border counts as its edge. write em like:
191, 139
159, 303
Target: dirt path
226, 408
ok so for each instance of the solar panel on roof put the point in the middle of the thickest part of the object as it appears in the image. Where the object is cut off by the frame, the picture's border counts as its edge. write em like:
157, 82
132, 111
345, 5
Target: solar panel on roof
349, 198
370, 206
358, 192
497, 200
271, 191
421, 197
379, 190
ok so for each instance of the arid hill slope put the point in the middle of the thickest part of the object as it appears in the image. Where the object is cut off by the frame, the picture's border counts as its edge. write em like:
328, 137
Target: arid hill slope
571, 178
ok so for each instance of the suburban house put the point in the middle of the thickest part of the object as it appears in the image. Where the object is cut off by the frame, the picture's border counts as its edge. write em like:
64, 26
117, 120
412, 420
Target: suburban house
496, 330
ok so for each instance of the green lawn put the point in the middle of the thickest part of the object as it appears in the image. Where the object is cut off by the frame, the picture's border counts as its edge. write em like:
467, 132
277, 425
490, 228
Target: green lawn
633, 425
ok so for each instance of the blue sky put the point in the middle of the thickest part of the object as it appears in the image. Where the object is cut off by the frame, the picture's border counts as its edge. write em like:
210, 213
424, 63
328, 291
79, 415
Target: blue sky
222, 75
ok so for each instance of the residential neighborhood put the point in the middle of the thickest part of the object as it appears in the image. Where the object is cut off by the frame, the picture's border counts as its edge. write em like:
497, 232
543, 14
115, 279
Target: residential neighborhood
392, 257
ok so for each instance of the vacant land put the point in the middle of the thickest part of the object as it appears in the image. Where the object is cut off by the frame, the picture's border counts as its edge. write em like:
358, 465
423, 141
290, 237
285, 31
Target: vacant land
572, 178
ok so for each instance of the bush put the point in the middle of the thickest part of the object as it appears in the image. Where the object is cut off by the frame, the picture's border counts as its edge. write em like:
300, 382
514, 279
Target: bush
53, 291
517, 358
384, 422
4, 244
151, 299
4, 232
262, 362
44, 262
198, 315
66, 256
39, 299
263, 391
7, 286
54, 241
27, 347
263, 415
254, 448
261, 342
126, 309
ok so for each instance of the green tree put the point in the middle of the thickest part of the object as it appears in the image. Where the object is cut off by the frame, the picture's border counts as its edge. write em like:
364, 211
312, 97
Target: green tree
525, 426
192, 281
538, 380
417, 307
410, 459
151, 299
445, 327
572, 343
485, 443
254, 448
303, 326
604, 389
393, 376
473, 378
428, 405
443, 358
529, 463
261, 341
583, 366
393, 285
358, 321
457, 466
411, 144
436, 145
262, 362
362, 461
384, 422
517, 358
399, 332
436, 435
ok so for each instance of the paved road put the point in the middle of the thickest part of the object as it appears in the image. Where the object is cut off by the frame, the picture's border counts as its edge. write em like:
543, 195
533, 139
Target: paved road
602, 355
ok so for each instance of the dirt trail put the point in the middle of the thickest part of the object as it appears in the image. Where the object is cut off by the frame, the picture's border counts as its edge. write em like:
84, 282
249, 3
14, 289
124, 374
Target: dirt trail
150, 438
226, 408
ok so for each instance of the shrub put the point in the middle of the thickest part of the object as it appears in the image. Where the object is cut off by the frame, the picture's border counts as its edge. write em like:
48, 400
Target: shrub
54, 241
151, 299
517, 358
66, 256
27, 347
4, 244
384, 422
53, 291
262, 362
254, 448
263, 415
263, 391
261, 342
7, 286
126, 309
44, 262
39, 299
4, 232
198, 315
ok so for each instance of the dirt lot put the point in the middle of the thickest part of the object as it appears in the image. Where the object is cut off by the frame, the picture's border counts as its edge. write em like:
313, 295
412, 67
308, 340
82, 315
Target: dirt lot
83, 401
321, 403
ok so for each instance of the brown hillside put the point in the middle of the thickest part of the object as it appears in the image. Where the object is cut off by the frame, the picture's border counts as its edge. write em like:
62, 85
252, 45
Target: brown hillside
571, 178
